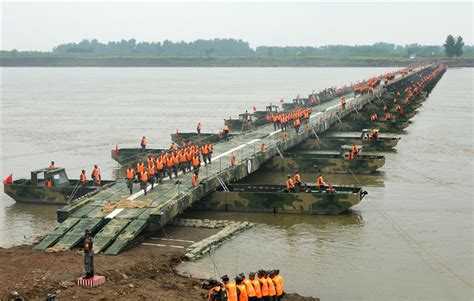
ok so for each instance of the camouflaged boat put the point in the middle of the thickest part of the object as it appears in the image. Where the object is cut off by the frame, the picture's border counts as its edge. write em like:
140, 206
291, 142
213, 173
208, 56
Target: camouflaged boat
62, 191
335, 140
276, 199
325, 162
245, 122
196, 138
131, 156
397, 126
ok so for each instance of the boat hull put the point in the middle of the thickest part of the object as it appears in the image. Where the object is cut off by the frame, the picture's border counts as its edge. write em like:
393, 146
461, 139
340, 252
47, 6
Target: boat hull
335, 143
324, 163
22, 192
273, 199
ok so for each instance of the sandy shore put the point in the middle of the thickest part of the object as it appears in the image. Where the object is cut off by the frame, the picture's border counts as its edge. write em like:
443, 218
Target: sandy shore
144, 272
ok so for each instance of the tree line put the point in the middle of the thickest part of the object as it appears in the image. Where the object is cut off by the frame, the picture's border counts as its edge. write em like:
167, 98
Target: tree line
240, 48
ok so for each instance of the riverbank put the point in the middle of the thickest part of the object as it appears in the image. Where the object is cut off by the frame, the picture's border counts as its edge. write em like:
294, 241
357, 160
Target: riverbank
144, 272
137, 61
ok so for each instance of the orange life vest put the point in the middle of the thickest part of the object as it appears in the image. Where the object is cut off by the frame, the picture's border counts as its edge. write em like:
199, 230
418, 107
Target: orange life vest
226, 128
204, 150
231, 291
144, 142
214, 289
289, 184
196, 161
271, 287
278, 284
243, 292
144, 176
130, 174
49, 183
263, 286
140, 166
320, 181
95, 172
83, 178
250, 289
297, 178
159, 164
256, 287
151, 170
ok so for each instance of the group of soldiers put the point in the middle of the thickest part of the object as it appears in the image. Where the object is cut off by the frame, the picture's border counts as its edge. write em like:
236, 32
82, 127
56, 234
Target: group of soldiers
185, 158
292, 118
293, 184
261, 286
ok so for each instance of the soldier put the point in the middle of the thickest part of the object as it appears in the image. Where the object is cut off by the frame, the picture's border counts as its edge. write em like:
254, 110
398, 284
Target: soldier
216, 293
241, 289
297, 182
49, 182
256, 286
195, 179
289, 184
130, 175
198, 128
143, 180
263, 285
88, 255
143, 143
95, 175
83, 179
278, 281
251, 294
271, 286
231, 288
52, 165
320, 182
226, 132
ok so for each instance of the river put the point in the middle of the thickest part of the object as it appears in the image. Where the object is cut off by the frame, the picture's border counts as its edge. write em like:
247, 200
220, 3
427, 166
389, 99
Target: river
410, 238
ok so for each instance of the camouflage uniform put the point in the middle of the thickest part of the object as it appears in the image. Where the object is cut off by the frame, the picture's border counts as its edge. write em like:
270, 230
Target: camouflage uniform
88, 256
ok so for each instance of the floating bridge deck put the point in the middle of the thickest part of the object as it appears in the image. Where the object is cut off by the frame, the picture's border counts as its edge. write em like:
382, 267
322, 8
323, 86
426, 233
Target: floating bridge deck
115, 230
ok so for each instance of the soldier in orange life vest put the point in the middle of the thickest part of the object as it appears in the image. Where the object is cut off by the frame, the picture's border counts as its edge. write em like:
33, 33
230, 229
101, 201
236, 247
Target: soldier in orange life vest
52, 165
151, 174
49, 182
263, 285
83, 178
241, 289
195, 179
143, 143
88, 255
297, 182
216, 293
210, 151
96, 175
143, 180
256, 286
278, 281
251, 294
271, 286
231, 288
355, 149
204, 152
130, 175
139, 169
320, 182
226, 132
289, 184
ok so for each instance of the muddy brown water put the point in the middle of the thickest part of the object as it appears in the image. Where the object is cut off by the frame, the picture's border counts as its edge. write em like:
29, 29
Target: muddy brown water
410, 238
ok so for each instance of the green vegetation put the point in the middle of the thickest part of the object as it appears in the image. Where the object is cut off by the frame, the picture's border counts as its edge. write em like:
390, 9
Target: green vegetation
232, 52
454, 48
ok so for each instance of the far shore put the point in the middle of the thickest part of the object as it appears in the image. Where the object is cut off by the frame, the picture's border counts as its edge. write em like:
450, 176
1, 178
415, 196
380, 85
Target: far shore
130, 61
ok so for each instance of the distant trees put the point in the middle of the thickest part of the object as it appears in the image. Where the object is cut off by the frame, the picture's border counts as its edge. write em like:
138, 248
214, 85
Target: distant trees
453, 47
217, 47
239, 48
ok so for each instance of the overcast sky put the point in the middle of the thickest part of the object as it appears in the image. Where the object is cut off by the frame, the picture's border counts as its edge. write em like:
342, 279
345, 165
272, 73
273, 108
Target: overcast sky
41, 26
